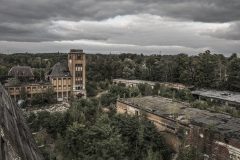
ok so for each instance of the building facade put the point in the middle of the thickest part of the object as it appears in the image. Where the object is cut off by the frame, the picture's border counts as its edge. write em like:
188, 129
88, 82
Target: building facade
66, 79
77, 68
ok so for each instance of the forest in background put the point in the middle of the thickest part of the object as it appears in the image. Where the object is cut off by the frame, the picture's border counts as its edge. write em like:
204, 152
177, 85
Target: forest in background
205, 70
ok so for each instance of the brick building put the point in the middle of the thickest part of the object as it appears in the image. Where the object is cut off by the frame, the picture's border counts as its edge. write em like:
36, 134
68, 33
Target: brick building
66, 79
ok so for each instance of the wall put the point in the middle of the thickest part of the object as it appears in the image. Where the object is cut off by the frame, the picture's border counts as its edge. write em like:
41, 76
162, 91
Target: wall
16, 141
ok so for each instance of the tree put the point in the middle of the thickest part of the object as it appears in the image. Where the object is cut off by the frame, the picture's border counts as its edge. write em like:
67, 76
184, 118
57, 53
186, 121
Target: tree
47, 97
234, 74
145, 89
100, 141
91, 89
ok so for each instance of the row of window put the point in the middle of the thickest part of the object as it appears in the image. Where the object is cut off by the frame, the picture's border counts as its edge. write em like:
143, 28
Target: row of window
29, 88
78, 67
62, 87
60, 81
77, 56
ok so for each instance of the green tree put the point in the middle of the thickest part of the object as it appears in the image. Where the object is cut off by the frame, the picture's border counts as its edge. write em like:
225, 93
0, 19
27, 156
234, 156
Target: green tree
100, 141
234, 74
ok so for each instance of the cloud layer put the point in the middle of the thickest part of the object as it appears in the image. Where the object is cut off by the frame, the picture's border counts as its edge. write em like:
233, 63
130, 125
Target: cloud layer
169, 26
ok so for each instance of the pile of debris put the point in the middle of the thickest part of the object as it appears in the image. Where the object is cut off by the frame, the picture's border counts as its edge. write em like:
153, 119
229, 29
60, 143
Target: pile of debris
59, 107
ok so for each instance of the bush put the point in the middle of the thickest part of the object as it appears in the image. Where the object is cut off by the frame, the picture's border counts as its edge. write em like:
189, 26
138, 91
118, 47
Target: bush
200, 104
45, 98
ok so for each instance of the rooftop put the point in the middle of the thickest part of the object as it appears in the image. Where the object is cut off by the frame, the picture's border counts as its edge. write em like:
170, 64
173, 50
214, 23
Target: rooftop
59, 70
21, 71
222, 95
167, 84
183, 113
76, 51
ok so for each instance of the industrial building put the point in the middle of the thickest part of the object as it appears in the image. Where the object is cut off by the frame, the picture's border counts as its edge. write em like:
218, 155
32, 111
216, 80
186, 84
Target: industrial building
223, 97
216, 135
132, 83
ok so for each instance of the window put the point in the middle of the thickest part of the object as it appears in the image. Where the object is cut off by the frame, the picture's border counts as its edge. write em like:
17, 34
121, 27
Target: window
78, 57
78, 88
78, 67
136, 113
78, 81
78, 73
59, 81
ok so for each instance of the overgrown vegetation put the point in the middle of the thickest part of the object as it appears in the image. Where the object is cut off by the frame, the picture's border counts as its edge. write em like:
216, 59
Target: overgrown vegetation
85, 132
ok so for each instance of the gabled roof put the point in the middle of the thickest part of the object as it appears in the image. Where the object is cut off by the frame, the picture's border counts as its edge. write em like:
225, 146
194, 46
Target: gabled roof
59, 70
21, 71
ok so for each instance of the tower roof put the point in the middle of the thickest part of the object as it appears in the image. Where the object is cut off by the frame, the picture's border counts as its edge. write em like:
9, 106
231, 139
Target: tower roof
76, 51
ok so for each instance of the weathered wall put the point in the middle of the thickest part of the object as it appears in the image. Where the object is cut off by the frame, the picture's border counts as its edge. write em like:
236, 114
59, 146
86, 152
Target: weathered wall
16, 141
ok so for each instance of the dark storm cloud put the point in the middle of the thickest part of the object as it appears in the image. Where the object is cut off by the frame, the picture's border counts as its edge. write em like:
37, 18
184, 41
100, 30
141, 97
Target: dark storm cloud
198, 10
98, 20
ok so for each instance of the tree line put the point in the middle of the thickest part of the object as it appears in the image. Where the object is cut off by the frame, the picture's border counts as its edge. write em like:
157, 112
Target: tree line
203, 70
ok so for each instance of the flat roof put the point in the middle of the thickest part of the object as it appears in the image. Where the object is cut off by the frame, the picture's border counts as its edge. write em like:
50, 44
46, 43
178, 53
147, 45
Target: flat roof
222, 95
152, 83
168, 108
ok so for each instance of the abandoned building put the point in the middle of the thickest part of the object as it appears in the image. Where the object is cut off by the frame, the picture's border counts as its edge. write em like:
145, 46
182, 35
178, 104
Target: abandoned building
217, 136
132, 83
66, 79
16, 141
21, 72
221, 97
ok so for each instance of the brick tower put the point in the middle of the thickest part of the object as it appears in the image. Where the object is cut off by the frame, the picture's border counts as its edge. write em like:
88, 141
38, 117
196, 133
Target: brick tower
77, 68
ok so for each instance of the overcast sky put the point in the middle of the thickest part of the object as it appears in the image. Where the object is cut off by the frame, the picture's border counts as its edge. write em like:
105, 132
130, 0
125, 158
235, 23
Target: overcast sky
104, 26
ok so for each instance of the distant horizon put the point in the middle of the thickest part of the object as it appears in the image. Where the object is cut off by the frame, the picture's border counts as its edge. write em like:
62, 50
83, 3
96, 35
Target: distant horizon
117, 53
